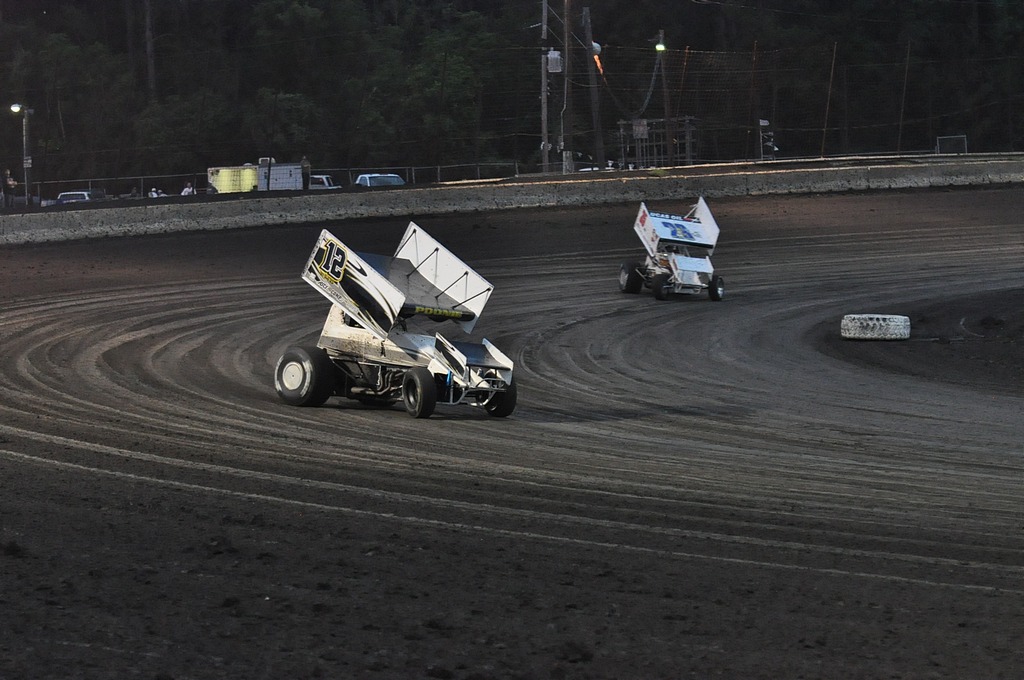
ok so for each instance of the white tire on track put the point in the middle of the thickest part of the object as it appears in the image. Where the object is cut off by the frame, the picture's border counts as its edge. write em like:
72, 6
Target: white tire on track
875, 327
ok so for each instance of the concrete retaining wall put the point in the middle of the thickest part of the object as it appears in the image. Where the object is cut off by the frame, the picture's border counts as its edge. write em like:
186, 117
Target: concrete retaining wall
590, 189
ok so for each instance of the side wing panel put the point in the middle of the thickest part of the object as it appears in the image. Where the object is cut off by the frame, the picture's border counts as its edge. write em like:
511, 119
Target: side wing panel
448, 359
348, 281
708, 231
644, 228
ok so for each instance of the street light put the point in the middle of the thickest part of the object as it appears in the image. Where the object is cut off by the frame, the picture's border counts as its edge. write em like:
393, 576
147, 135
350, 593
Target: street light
26, 158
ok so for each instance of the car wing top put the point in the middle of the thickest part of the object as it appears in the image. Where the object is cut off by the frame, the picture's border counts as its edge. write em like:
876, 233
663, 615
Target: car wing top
423, 277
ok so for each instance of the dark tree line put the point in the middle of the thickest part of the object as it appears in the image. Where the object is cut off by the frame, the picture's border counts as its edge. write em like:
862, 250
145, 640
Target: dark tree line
125, 87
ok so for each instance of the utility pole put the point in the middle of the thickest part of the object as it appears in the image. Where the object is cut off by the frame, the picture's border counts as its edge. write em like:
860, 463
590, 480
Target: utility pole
670, 155
150, 48
903, 100
688, 132
595, 106
26, 157
545, 145
566, 142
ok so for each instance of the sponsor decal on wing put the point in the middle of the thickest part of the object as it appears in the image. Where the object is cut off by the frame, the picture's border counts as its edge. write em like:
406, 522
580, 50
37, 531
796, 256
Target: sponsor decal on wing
437, 313
344, 278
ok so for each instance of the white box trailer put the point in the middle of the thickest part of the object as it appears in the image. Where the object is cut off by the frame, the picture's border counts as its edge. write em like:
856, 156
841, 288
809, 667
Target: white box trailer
279, 176
267, 175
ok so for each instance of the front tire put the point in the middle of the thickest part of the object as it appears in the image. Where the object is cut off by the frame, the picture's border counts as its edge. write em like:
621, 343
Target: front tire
630, 279
716, 289
419, 392
661, 287
304, 376
502, 404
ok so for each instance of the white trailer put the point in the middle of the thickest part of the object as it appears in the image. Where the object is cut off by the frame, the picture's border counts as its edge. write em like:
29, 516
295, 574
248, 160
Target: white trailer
267, 175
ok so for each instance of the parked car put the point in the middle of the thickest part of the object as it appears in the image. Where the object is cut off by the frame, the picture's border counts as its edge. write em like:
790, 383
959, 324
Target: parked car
322, 182
379, 180
74, 197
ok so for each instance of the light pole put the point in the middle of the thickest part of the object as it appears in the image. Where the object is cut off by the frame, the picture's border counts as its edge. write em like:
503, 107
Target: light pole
26, 158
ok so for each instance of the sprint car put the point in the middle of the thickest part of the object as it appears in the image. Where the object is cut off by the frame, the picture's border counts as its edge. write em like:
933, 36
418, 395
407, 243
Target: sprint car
370, 348
679, 250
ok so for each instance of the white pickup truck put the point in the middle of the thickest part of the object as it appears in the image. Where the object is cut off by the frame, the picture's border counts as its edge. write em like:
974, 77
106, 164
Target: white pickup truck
322, 182
379, 180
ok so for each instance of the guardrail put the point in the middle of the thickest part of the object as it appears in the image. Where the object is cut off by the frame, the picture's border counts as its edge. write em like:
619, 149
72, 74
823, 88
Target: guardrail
230, 211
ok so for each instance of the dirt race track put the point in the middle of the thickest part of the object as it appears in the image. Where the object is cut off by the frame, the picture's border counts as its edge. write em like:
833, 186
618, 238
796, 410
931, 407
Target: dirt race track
688, 489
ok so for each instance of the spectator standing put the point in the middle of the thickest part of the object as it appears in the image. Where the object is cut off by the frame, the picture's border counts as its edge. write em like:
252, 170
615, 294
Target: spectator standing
306, 170
188, 190
10, 187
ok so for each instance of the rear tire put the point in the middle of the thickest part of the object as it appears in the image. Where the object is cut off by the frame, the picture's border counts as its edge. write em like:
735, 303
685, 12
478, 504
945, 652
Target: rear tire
304, 376
419, 392
502, 404
630, 279
661, 287
716, 289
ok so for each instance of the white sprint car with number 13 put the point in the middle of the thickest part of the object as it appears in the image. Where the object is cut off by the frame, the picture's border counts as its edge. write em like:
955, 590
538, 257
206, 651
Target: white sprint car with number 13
366, 349
679, 252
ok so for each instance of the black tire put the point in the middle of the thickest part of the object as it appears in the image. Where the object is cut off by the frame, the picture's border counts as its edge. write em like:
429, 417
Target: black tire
419, 392
716, 289
661, 287
875, 327
630, 279
304, 376
502, 404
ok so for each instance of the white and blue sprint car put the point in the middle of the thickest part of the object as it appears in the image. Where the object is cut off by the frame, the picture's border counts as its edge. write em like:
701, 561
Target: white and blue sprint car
679, 249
